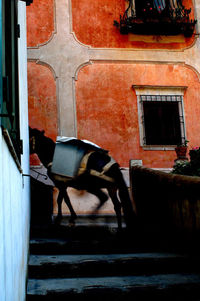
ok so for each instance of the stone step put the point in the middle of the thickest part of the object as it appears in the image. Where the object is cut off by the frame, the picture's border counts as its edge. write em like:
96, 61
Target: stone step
62, 266
114, 243
101, 235
94, 239
85, 227
105, 245
157, 287
95, 261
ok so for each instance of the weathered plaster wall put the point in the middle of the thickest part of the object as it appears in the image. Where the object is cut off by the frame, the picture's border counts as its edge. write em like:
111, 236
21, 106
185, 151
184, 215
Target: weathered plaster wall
67, 56
93, 25
41, 15
42, 102
14, 194
42, 99
73, 46
107, 110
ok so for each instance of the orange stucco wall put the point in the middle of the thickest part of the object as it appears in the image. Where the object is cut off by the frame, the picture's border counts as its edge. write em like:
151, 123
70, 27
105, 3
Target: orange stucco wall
42, 101
40, 22
107, 107
93, 25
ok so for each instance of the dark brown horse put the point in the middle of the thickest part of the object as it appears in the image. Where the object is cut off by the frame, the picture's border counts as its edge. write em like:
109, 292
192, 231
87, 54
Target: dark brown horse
91, 179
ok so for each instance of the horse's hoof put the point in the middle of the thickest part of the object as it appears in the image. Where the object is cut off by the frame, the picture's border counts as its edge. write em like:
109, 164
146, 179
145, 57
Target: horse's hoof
71, 224
57, 220
119, 231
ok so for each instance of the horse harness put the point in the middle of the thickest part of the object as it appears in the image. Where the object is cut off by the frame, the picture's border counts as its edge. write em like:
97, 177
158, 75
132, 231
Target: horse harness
33, 142
83, 165
93, 172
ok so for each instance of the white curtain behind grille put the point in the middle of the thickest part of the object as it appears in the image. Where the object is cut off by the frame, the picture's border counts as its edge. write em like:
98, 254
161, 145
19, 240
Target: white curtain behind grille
159, 5
174, 4
131, 12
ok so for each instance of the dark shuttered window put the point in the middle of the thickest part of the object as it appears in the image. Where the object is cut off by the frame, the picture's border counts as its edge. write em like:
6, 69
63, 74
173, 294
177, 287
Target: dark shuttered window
9, 105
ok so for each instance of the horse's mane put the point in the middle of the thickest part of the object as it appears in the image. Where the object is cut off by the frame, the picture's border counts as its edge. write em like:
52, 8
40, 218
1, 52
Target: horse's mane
46, 146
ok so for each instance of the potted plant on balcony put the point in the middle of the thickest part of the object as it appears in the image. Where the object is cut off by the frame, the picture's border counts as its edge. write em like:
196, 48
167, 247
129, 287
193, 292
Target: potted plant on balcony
191, 167
181, 151
194, 154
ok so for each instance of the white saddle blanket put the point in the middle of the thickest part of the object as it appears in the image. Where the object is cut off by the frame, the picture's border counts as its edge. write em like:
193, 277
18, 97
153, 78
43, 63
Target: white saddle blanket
67, 139
67, 156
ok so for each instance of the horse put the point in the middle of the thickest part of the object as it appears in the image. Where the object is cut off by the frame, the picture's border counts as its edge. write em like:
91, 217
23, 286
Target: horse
89, 179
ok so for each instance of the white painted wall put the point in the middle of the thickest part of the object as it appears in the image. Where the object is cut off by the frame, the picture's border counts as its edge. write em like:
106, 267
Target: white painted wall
14, 195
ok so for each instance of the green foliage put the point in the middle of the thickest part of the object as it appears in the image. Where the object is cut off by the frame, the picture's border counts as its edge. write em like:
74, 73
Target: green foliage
185, 143
189, 168
181, 168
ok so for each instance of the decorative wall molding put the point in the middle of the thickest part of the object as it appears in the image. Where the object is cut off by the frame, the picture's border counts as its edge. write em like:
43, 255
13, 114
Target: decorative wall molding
38, 62
54, 32
80, 67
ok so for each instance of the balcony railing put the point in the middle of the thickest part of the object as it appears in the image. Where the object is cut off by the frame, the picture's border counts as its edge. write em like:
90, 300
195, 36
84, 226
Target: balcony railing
151, 21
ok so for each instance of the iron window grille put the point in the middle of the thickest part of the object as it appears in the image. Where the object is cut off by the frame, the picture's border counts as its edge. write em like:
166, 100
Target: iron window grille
162, 119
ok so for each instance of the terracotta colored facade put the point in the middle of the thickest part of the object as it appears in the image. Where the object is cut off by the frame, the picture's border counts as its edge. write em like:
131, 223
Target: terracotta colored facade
107, 112
42, 101
96, 67
40, 22
93, 25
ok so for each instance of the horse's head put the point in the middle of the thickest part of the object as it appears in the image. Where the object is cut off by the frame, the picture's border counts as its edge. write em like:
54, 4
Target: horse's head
34, 137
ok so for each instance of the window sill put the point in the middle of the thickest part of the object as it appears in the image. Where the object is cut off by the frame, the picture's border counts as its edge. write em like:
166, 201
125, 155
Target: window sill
11, 148
159, 147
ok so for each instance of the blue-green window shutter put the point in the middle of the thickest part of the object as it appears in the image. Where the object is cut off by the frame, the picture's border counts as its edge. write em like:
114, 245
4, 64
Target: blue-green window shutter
9, 111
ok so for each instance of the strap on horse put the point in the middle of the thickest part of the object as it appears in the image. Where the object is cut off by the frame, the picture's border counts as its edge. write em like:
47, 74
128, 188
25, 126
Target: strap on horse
83, 168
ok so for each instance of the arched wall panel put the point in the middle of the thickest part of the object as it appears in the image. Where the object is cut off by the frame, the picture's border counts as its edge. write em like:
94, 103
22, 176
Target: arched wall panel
107, 111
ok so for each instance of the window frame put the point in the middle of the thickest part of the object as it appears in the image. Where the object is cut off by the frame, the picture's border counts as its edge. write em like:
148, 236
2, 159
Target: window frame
9, 103
159, 91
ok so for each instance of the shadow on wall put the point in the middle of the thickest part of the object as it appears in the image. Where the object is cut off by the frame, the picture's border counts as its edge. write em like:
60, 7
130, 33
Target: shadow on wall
41, 203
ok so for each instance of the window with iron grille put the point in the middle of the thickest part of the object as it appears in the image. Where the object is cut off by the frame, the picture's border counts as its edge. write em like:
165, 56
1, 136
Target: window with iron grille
9, 103
162, 119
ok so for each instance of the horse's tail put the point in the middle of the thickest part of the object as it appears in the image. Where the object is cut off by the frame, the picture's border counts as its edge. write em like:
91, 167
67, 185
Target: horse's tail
129, 213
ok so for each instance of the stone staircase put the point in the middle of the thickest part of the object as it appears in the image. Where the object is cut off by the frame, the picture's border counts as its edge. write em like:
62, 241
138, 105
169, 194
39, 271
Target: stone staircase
94, 262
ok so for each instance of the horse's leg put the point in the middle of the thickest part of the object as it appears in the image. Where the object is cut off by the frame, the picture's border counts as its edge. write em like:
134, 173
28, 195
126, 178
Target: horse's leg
102, 196
69, 205
59, 203
117, 205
